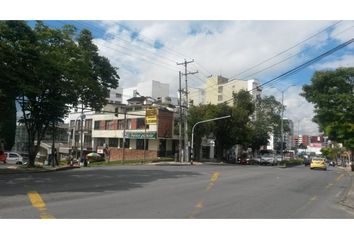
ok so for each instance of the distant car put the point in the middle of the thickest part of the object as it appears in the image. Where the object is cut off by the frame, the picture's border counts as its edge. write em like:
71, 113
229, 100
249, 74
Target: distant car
268, 159
13, 157
307, 162
2, 157
318, 163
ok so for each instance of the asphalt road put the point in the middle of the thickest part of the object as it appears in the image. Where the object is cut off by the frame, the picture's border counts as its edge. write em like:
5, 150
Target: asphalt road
204, 191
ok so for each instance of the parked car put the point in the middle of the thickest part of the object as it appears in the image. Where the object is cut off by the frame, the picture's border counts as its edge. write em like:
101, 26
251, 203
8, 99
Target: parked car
318, 163
13, 157
2, 157
268, 159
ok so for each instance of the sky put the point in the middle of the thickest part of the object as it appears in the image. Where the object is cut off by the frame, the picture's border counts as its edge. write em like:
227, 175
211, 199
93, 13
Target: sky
224, 47
148, 50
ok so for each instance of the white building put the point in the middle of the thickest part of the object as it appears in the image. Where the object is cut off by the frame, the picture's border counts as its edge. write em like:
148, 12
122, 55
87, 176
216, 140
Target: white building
154, 89
219, 89
115, 95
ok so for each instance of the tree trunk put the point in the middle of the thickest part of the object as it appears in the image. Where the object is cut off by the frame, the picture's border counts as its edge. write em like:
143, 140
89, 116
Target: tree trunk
7, 121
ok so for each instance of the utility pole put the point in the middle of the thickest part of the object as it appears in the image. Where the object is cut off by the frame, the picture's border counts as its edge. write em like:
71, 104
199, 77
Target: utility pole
281, 128
180, 119
124, 127
186, 147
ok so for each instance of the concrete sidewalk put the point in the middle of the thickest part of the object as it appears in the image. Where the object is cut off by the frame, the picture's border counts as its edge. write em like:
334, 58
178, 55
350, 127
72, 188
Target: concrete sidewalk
348, 200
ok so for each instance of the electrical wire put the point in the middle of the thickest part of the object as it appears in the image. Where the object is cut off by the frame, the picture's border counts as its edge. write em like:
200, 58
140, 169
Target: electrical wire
302, 66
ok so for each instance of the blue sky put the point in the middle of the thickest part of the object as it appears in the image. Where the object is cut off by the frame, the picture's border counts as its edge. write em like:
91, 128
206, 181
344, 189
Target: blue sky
149, 50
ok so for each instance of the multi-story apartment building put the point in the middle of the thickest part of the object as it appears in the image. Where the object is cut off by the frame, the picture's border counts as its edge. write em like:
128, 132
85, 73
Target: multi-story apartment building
154, 89
301, 139
289, 135
219, 89
107, 131
115, 96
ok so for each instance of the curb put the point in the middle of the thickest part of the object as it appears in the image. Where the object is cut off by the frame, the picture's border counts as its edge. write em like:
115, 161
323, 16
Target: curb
16, 171
174, 164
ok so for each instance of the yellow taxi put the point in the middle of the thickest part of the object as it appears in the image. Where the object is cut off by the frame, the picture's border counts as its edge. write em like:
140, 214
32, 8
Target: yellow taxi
318, 163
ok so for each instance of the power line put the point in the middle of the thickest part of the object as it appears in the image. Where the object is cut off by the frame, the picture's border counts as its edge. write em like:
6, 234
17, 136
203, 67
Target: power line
302, 66
286, 50
141, 56
286, 59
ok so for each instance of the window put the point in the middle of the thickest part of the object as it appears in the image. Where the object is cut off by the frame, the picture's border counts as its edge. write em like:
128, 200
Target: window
220, 98
140, 123
220, 89
87, 140
97, 125
72, 123
88, 124
120, 124
113, 142
100, 142
140, 144
118, 95
109, 125
127, 143
129, 124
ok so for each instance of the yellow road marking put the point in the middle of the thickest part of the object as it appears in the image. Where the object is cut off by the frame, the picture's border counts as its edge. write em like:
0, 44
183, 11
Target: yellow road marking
38, 203
329, 185
313, 199
214, 177
339, 177
199, 204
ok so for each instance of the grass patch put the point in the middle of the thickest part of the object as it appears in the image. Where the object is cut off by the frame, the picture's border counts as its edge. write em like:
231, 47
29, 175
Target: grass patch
292, 162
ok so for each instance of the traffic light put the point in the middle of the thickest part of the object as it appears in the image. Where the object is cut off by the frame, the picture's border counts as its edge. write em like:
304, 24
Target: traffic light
116, 112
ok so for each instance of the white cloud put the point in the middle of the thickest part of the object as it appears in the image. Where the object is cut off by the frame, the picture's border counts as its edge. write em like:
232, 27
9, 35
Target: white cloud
297, 108
342, 61
218, 47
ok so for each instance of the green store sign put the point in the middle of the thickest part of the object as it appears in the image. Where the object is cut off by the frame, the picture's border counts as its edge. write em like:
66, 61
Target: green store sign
140, 135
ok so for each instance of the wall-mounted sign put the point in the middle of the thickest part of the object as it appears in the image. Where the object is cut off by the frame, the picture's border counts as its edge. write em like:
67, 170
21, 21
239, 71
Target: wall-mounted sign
140, 135
151, 116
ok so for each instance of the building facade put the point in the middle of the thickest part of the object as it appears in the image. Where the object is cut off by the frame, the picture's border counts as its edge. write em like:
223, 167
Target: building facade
105, 131
219, 89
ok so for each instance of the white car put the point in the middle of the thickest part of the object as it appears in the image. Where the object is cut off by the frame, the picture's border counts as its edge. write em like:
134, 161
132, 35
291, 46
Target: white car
14, 158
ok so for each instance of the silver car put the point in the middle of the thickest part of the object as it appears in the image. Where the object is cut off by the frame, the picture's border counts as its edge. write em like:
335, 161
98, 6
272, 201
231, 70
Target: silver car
14, 158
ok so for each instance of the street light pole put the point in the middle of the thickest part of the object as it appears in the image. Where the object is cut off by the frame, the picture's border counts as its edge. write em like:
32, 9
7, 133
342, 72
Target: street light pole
282, 121
282, 127
208, 120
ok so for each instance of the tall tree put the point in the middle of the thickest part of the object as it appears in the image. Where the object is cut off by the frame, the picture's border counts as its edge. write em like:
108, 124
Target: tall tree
227, 132
17, 54
332, 93
61, 73
266, 120
96, 74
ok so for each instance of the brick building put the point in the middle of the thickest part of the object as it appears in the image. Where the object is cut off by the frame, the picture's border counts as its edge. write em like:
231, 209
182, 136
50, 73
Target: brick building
106, 131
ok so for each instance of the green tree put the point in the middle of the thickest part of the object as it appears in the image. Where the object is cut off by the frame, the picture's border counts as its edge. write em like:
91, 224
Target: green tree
266, 120
17, 54
227, 132
56, 72
96, 74
332, 93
